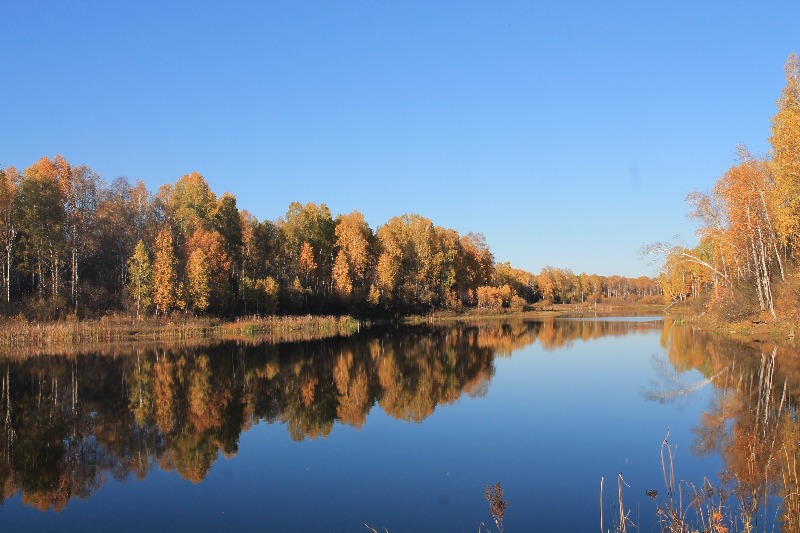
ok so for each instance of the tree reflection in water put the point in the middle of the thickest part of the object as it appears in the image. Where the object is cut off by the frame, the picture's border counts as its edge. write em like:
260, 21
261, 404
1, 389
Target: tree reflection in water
71, 422
752, 423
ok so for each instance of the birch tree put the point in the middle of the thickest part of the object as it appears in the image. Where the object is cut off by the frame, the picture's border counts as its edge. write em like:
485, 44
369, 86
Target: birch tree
9, 184
40, 212
785, 163
140, 276
80, 194
197, 280
164, 273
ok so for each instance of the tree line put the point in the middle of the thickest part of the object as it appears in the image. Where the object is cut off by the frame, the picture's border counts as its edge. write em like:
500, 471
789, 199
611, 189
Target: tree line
76, 245
748, 226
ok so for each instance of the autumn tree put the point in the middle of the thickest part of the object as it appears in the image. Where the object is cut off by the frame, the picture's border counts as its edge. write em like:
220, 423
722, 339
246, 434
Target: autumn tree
142, 210
584, 286
193, 203
313, 225
62, 226
79, 187
121, 220
40, 212
9, 183
260, 254
164, 273
140, 278
595, 287
448, 255
684, 274
547, 284
709, 211
494, 297
410, 262
565, 284
354, 245
227, 222
342, 282
306, 264
785, 162
269, 290
522, 283
164, 204
219, 264
387, 271
474, 266
737, 240
744, 190
262, 247
197, 280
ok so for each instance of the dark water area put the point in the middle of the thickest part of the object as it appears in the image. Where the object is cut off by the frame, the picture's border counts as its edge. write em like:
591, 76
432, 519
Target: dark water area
401, 429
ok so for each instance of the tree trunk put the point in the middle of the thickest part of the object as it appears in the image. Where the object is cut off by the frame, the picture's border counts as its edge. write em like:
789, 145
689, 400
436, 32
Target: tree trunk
772, 235
757, 267
765, 273
54, 272
9, 246
39, 264
75, 278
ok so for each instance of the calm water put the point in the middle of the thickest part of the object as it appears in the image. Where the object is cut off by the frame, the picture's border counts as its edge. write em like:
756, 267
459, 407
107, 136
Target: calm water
397, 429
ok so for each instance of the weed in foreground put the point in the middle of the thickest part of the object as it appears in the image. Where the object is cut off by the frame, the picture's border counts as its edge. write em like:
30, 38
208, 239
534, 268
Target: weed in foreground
688, 508
497, 505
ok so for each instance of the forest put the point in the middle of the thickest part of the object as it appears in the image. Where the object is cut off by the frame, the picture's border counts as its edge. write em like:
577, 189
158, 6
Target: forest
74, 245
746, 261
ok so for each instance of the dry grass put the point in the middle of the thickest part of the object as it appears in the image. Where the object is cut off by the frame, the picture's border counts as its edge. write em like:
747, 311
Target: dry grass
23, 337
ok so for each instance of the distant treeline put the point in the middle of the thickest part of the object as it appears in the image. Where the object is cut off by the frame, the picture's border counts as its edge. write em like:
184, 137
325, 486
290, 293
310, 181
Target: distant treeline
73, 244
749, 228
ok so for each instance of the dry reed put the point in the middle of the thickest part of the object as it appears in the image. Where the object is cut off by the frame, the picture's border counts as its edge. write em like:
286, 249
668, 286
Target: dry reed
21, 337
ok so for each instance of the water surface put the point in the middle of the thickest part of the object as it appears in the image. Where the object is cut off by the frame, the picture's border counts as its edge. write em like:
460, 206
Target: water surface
400, 429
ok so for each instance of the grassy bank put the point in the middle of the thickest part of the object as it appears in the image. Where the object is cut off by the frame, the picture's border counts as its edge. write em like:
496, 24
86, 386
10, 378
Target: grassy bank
536, 311
18, 336
755, 329
24, 337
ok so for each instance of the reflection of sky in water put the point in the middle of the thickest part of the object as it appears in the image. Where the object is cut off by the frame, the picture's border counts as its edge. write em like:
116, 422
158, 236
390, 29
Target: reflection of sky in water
585, 417
551, 425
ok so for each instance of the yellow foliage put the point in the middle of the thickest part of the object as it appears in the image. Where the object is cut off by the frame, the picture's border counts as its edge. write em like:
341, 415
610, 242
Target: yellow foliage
164, 275
341, 276
198, 275
785, 164
494, 297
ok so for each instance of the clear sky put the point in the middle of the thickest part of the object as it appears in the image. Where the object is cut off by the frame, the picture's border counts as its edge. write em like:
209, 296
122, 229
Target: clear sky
568, 133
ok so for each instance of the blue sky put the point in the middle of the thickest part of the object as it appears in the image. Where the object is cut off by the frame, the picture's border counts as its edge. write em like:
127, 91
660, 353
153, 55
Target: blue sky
568, 133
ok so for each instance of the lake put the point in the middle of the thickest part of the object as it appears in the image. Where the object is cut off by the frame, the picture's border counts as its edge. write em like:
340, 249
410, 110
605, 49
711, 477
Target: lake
401, 429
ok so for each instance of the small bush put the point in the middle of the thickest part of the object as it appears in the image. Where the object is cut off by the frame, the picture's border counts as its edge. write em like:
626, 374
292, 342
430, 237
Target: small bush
517, 304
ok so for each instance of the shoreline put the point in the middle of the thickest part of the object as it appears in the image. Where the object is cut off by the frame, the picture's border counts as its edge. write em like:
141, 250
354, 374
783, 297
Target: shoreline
22, 338
541, 311
755, 331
